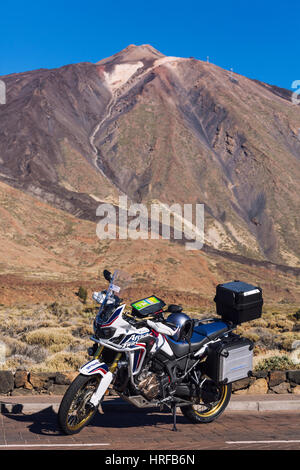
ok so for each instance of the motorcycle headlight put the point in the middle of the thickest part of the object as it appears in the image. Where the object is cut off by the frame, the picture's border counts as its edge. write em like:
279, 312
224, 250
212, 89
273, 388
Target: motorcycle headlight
105, 333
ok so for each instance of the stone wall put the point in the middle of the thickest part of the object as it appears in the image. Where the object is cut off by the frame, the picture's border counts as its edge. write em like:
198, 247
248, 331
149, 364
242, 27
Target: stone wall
261, 382
23, 382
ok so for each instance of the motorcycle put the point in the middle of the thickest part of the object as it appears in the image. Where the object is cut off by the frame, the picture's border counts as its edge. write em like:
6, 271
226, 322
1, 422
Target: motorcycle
153, 361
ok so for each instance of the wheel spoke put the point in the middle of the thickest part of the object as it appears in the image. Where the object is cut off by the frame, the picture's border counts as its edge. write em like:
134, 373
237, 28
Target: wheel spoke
214, 406
78, 411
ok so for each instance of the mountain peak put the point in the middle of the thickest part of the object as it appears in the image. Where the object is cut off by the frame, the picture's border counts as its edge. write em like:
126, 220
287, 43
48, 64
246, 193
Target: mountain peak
133, 53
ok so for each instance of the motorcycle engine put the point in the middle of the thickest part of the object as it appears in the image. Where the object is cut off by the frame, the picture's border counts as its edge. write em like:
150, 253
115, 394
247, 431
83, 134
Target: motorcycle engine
149, 385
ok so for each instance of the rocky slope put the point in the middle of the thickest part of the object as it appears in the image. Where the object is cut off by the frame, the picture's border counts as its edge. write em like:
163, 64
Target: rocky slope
46, 254
160, 128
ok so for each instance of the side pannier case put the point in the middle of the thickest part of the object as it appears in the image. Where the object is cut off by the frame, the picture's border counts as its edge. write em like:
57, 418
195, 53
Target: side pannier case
230, 360
238, 302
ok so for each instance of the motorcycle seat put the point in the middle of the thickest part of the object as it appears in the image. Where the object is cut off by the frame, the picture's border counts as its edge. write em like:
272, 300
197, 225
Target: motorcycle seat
211, 330
202, 333
182, 348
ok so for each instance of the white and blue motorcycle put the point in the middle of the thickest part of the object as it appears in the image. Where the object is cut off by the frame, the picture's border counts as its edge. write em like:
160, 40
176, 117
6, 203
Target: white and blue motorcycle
153, 356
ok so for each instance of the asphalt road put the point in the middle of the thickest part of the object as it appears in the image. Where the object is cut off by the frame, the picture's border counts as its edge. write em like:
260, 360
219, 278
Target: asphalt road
132, 429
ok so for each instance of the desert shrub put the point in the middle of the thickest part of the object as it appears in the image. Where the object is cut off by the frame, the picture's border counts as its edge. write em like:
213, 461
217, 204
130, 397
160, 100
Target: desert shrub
297, 315
252, 336
65, 324
15, 326
287, 340
54, 308
82, 294
259, 322
281, 362
79, 346
49, 338
82, 331
58, 310
265, 338
18, 348
17, 361
65, 361
281, 324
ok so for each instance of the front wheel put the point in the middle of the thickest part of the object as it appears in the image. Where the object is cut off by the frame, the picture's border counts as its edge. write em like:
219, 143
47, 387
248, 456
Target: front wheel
214, 400
74, 412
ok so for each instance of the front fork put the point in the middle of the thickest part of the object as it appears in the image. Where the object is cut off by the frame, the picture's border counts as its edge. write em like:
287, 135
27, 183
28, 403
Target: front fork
107, 377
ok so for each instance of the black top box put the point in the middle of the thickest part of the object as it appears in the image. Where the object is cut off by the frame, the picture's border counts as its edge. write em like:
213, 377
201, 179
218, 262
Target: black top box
238, 301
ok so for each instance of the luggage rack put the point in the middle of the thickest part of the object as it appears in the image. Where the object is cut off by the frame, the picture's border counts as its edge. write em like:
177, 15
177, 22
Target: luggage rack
207, 321
203, 321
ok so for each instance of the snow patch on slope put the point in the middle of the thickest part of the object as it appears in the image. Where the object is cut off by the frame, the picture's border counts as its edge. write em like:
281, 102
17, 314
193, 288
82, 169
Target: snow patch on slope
121, 74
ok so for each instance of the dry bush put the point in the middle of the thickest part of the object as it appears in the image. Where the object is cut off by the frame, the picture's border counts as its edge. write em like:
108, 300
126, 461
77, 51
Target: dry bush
260, 322
83, 330
17, 361
282, 325
54, 339
15, 347
288, 338
278, 361
65, 361
266, 357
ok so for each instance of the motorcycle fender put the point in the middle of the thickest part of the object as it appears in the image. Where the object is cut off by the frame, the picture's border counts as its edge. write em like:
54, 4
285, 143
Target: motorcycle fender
103, 386
94, 367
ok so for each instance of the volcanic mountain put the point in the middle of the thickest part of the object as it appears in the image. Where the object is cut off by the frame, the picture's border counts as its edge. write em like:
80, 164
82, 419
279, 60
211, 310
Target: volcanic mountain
159, 128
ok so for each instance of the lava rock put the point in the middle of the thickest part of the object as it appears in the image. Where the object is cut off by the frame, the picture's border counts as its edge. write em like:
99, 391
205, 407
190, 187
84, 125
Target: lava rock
6, 381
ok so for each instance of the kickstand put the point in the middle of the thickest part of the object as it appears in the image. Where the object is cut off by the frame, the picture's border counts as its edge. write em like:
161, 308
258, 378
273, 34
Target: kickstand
174, 417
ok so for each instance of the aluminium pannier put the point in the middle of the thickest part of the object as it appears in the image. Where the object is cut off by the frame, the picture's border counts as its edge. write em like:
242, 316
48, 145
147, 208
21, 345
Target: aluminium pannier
230, 359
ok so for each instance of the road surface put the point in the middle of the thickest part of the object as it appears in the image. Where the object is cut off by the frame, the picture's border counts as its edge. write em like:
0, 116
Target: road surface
129, 428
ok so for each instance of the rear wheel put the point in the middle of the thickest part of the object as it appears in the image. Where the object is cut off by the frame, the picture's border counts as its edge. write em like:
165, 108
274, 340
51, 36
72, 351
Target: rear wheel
74, 412
214, 400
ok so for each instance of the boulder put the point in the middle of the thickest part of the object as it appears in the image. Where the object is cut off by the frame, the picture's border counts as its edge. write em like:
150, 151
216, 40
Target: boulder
21, 378
294, 376
260, 374
276, 377
71, 375
39, 379
28, 386
62, 379
284, 387
259, 387
56, 389
243, 383
6, 381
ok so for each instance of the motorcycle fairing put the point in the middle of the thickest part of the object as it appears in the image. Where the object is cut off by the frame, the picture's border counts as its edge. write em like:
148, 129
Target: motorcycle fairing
94, 367
137, 358
114, 316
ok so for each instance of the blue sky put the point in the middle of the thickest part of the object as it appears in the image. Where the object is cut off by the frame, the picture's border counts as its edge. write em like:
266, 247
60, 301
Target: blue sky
259, 39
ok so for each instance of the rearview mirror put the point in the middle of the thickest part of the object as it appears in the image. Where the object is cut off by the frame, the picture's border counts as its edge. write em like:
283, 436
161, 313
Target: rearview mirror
107, 275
